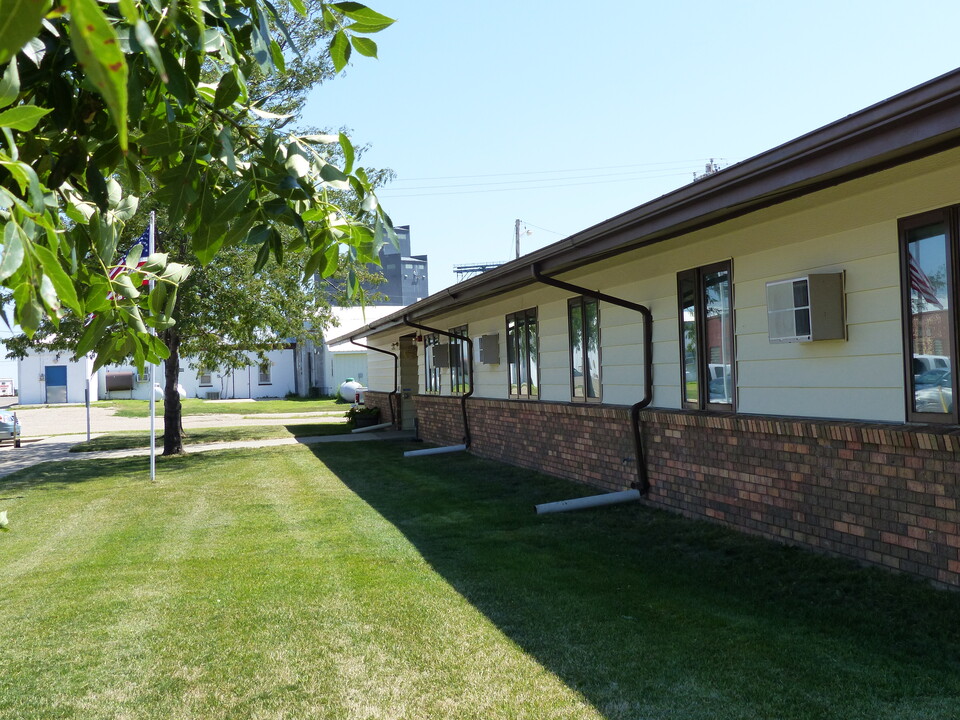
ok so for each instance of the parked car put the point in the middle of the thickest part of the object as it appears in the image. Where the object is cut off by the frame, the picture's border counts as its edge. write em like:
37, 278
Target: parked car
935, 398
10, 427
931, 378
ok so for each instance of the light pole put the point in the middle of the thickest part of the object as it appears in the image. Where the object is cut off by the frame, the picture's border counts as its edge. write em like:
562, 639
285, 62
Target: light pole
516, 230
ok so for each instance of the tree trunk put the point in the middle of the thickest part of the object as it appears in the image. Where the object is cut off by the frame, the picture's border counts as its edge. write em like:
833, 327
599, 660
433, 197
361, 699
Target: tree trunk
172, 439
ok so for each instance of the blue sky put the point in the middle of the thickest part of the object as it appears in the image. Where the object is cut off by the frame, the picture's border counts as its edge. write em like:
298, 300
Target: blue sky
563, 114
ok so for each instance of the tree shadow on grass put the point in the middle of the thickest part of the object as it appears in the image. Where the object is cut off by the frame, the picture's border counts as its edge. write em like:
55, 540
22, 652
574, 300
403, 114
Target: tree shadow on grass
651, 615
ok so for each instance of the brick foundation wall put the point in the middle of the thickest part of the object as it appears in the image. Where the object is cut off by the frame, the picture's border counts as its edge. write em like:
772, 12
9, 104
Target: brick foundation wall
380, 400
882, 494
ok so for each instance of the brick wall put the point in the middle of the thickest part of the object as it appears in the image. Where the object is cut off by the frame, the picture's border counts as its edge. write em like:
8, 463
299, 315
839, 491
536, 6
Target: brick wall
380, 400
882, 494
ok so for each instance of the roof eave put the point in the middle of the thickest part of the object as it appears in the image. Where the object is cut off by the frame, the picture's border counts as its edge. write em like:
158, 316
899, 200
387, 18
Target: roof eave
919, 122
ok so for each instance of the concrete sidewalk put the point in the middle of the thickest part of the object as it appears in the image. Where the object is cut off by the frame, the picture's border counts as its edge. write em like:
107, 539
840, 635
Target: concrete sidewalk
57, 449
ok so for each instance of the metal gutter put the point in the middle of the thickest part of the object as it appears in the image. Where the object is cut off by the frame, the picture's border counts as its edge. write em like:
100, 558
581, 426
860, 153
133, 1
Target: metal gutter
392, 395
914, 124
643, 481
463, 398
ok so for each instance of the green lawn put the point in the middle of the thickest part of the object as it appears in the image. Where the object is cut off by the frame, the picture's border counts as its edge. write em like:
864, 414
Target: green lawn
343, 581
123, 440
194, 406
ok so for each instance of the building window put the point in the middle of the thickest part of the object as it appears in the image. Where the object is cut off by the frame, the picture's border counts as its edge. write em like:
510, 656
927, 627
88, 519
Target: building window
431, 382
264, 376
706, 331
460, 369
206, 378
584, 319
522, 354
928, 284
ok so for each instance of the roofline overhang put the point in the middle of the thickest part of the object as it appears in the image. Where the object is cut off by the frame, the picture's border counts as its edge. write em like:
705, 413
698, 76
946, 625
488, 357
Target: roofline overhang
914, 124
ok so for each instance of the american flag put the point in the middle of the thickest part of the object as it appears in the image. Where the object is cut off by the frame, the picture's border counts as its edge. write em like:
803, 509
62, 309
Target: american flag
921, 283
144, 242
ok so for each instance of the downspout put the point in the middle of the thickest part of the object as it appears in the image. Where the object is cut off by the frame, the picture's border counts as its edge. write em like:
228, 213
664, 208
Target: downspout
643, 481
463, 398
394, 413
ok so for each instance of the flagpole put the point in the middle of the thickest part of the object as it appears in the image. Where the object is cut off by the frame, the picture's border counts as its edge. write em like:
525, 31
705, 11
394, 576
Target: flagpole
153, 371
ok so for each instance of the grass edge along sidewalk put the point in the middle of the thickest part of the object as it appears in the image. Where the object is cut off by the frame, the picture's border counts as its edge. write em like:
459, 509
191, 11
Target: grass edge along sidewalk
130, 439
329, 582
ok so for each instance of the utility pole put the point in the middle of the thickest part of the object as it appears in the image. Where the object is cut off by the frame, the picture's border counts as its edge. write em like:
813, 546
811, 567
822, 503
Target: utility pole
517, 235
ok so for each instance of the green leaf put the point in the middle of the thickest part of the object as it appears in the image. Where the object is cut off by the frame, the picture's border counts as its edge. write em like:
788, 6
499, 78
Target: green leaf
19, 22
364, 46
260, 44
13, 250
178, 83
22, 117
61, 281
363, 14
158, 298
340, 50
28, 181
123, 285
92, 334
331, 173
150, 47
95, 43
276, 54
97, 187
228, 90
48, 293
278, 19
162, 141
9, 84
129, 11
29, 312
348, 153
299, 7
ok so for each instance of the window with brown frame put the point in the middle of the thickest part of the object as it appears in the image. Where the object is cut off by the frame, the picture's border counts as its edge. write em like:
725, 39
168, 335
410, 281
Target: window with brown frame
522, 354
583, 315
431, 382
460, 369
928, 257
707, 358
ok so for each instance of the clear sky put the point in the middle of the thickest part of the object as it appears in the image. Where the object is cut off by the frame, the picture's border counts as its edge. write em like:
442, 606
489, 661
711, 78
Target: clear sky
563, 114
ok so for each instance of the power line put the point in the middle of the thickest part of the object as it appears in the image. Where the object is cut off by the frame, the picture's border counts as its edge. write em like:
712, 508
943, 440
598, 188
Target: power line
566, 170
559, 183
637, 174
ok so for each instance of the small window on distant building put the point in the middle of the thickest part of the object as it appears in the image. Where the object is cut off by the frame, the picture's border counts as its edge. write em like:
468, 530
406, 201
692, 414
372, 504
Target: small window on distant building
264, 378
206, 378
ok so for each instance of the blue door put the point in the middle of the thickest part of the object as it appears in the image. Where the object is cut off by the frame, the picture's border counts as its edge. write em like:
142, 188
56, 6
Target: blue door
56, 381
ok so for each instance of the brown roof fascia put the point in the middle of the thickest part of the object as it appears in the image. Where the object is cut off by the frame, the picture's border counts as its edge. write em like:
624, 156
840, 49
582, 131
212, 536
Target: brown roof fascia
919, 122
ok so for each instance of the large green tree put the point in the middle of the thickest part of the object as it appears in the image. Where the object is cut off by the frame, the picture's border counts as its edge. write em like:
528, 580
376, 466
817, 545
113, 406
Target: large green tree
102, 103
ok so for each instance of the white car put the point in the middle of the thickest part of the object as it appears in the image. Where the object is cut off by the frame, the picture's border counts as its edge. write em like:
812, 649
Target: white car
10, 427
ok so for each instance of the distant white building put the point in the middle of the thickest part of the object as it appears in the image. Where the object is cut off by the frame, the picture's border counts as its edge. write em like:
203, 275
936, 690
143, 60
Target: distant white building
48, 378
275, 378
324, 367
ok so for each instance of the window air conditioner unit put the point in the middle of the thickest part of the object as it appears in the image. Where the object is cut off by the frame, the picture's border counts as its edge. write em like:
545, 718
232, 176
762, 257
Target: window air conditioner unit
806, 308
440, 355
490, 349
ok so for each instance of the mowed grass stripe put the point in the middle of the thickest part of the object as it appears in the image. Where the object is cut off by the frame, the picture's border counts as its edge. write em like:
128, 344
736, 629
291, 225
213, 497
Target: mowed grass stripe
348, 582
